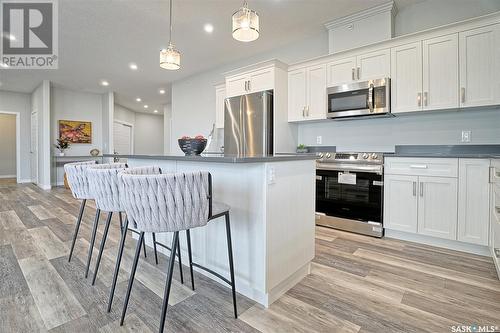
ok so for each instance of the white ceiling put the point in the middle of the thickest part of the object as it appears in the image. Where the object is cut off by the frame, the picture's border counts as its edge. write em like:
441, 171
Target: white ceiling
98, 39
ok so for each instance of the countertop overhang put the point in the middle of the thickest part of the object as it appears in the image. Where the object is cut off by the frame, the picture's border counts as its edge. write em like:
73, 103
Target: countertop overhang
220, 158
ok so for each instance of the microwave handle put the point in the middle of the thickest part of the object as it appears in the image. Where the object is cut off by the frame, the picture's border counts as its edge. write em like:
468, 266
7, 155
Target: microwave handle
370, 97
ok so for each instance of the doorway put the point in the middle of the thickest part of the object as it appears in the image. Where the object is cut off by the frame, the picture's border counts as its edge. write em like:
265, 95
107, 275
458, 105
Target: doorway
123, 138
10, 145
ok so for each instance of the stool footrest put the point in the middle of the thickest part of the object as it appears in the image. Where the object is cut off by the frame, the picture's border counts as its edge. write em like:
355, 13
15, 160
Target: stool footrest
212, 272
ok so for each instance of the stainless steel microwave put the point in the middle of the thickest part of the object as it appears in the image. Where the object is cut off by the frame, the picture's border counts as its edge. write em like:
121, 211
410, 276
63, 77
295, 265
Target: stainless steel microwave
360, 99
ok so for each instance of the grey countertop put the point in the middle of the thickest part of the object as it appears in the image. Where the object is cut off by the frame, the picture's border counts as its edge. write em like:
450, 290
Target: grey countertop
220, 158
447, 151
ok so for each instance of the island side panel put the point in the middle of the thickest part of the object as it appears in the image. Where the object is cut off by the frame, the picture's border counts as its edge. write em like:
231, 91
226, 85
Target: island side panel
290, 200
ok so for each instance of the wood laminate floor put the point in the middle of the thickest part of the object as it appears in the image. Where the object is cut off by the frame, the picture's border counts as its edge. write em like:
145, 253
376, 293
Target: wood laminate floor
357, 283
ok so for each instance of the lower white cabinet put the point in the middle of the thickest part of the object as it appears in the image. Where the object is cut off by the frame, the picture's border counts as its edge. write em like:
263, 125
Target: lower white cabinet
400, 202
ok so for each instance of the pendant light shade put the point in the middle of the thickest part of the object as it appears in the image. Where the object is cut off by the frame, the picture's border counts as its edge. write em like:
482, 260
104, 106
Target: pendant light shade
245, 24
170, 58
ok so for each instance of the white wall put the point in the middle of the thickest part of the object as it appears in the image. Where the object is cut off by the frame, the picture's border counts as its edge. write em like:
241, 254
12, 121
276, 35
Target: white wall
75, 105
18, 102
40, 101
7, 145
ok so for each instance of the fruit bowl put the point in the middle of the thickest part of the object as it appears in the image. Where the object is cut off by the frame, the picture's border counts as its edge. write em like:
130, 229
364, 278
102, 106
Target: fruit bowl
192, 146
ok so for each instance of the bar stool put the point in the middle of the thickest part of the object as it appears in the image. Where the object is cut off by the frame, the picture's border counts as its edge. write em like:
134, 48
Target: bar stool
171, 203
148, 170
79, 186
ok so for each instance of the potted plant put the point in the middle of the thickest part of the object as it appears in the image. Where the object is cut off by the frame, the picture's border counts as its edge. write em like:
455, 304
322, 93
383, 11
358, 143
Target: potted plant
61, 145
302, 149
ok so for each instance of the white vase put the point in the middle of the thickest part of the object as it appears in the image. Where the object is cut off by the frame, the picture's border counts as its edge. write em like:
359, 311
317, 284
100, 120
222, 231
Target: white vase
61, 154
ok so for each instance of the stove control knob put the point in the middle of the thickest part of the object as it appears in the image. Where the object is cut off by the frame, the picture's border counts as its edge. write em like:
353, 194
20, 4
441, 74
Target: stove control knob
328, 155
320, 155
365, 156
374, 156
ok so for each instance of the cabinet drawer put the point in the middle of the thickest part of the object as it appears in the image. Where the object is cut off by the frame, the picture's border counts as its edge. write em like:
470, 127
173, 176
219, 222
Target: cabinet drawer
440, 167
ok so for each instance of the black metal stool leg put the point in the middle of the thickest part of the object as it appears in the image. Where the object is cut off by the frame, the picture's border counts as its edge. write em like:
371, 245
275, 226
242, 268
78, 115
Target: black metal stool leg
144, 248
132, 275
190, 256
168, 283
101, 248
121, 220
117, 265
77, 228
154, 247
231, 265
92, 240
180, 259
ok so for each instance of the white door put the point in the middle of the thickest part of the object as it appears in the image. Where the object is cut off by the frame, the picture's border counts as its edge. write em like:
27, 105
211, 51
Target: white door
341, 71
261, 80
220, 95
437, 207
34, 147
122, 138
316, 92
236, 86
374, 65
480, 66
473, 200
440, 72
297, 95
400, 203
406, 75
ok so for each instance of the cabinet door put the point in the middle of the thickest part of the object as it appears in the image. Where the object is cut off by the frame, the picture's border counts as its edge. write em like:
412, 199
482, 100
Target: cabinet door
400, 203
316, 92
374, 65
437, 207
297, 92
220, 95
261, 80
236, 86
440, 72
473, 201
406, 78
341, 71
480, 66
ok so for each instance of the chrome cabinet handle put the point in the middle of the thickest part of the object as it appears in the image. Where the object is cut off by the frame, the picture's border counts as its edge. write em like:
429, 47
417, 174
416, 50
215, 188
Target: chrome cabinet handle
418, 166
419, 99
304, 112
359, 69
462, 95
414, 189
246, 87
353, 74
307, 110
249, 86
425, 98
421, 189
370, 97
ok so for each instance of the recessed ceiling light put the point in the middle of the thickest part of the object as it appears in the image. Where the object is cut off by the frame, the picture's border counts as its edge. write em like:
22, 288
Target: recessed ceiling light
146, 106
133, 66
208, 28
104, 83
138, 99
162, 91
155, 111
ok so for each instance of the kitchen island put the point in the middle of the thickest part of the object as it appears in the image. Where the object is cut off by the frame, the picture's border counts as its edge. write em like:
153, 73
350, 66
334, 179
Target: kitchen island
272, 218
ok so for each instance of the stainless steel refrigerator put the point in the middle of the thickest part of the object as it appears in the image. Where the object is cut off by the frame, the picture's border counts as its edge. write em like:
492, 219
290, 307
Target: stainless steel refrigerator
248, 124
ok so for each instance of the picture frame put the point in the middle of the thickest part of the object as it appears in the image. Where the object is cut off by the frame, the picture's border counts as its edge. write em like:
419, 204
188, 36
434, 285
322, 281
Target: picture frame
75, 131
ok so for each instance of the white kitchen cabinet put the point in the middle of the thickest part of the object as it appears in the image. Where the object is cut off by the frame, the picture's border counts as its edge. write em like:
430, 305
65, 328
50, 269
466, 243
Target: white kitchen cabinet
341, 71
236, 85
254, 81
479, 51
374, 65
440, 73
473, 200
220, 96
307, 93
437, 207
400, 202
406, 78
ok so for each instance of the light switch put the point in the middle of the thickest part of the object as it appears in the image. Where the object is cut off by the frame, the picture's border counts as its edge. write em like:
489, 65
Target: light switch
319, 139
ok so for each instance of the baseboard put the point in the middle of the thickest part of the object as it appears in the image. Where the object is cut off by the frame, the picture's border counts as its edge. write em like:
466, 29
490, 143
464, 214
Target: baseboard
24, 181
7, 176
44, 186
439, 242
496, 261
278, 291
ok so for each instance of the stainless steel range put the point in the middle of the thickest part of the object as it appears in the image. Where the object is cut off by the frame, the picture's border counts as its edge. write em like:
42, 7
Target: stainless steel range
349, 192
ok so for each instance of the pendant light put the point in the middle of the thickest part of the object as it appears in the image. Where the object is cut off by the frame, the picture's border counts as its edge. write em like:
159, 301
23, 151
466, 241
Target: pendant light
170, 58
245, 24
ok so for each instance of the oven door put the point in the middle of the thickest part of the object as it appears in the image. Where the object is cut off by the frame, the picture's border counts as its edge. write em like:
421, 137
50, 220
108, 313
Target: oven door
357, 196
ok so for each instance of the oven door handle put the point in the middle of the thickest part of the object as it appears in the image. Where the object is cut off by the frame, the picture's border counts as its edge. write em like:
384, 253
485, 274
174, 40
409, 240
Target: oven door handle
370, 97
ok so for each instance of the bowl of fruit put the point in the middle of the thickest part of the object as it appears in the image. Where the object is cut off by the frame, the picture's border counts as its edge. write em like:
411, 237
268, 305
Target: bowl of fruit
192, 146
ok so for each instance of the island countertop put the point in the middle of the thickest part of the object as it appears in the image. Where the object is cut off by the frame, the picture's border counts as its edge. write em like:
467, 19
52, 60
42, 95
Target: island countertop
220, 158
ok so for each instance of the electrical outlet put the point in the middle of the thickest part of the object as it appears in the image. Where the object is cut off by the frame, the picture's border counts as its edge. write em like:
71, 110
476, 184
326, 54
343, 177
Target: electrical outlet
319, 139
466, 136
271, 176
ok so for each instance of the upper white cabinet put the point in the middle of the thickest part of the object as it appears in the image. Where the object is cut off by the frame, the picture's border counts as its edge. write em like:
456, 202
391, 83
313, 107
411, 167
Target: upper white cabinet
220, 96
254, 81
406, 78
440, 72
479, 51
474, 200
307, 93
372, 65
